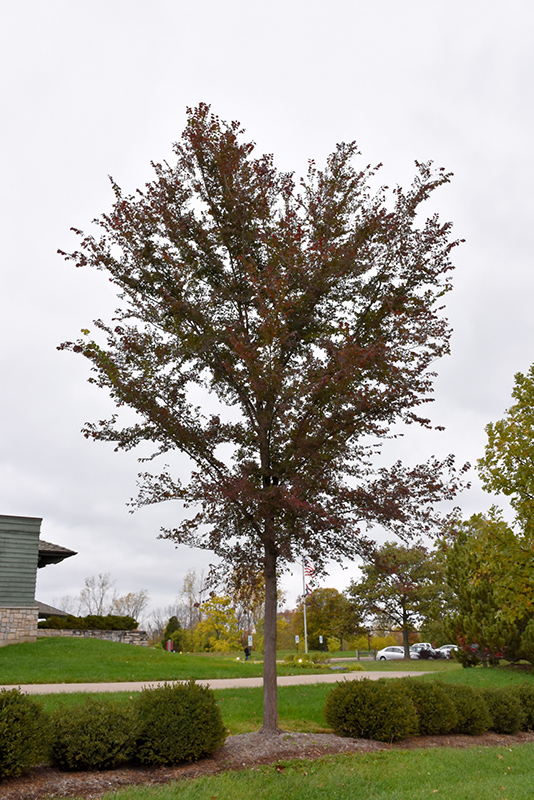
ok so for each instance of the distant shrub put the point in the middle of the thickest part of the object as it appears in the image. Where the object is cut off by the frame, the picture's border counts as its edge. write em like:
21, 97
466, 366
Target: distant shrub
380, 710
24, 733
472, 715
505, 709
178, 722
306, 660
436, 712
333, 644
319, 657
97, 735
110, 622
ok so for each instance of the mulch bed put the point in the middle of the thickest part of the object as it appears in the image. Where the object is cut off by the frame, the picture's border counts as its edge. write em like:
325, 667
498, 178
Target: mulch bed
239, 752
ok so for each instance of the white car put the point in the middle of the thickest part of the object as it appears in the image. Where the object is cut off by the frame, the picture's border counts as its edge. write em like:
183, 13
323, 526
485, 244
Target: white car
447, 650
390, 653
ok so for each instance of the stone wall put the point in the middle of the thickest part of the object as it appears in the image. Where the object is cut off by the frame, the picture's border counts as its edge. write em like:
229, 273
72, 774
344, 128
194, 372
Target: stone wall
18, 625
126, 637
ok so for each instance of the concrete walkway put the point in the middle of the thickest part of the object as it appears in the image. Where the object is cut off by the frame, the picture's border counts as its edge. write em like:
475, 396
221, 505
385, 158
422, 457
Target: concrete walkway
221, 683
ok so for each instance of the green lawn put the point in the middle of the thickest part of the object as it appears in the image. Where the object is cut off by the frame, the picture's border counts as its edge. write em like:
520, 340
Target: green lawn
300, 707
70, 660
73, 660
476, 773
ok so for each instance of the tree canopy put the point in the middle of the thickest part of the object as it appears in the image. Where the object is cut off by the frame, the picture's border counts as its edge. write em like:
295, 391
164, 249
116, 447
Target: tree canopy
402, 587
328, 614
490, 573
507, 466
306, 316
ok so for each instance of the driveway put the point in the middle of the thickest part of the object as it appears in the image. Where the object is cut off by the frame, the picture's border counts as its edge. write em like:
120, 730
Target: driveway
221, 683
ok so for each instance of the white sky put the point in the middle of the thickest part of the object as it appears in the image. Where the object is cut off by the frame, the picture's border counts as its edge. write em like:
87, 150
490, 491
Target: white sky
91, 89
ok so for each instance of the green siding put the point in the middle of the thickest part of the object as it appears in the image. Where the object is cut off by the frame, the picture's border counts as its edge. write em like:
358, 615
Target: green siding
19, 552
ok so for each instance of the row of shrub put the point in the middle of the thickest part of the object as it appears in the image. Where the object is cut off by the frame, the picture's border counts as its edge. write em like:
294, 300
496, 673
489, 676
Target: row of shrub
167, 725
92, 622
390, 710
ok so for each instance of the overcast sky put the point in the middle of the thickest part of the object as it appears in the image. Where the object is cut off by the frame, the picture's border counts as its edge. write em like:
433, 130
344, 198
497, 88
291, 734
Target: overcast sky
91, 89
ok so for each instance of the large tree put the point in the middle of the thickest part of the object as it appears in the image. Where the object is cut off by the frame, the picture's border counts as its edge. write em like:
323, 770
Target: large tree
490, 572
507, 466
273, 332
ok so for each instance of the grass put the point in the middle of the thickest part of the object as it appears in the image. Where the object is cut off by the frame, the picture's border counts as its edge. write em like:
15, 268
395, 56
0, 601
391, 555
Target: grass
413, 665
70, 660
503, 773
73, 660
300, 707
480, 677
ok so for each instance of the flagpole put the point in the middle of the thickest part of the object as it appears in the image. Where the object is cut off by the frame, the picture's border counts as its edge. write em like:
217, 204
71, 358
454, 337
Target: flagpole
304, 592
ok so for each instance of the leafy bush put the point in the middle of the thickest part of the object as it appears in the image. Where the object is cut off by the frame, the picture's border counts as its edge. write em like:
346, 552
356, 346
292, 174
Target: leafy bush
381, 710
304, 660
97, 735
178, 722
472, 714
24, 733
92, 622
334, 644
467, 658
436, 712
525, 692
319, 657
505, 709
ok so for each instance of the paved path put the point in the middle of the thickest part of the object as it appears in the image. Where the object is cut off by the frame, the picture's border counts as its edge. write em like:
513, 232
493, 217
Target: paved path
220, 683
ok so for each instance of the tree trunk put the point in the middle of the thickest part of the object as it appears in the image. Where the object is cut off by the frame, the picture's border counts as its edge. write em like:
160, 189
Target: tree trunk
405, 633
270, 695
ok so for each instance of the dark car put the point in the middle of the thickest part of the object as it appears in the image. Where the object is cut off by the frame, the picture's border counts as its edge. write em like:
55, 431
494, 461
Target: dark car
423, 650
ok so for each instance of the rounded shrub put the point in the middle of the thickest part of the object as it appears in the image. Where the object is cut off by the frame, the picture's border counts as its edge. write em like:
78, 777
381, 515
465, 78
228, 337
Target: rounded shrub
177, 722
505, 709
472, 715
380, 710
525, 692
24, 733
97, 735
436, 712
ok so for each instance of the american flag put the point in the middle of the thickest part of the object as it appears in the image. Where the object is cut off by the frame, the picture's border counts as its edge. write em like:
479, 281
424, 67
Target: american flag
309, 569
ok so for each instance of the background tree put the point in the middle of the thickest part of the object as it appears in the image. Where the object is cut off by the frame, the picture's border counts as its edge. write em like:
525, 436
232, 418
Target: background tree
507, 466
218, 631
96, 597
328, 614
192, 591
248, 595
490, 571
400, 588
309, 317
132, 604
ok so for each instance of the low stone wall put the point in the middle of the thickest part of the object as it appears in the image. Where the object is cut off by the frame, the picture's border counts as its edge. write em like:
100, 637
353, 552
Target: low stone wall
18, 625
126, 637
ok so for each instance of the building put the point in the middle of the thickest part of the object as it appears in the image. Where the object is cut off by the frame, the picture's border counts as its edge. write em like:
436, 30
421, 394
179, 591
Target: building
22, 553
